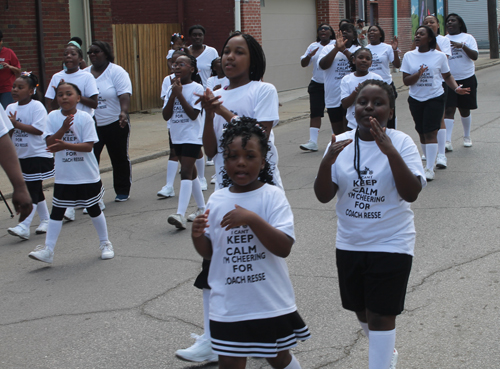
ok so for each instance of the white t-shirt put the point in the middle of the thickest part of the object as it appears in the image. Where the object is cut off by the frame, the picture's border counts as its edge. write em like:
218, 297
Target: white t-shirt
461, 65
29, 145
113, 82
382, 54
248, 281
183, 130
75, 167
85, 82
170, 53
214, 81
371, 214
165, 86
347, 86
5, 124
318, 73
444, 45
429, 84
333, 75
204, 63
258, 100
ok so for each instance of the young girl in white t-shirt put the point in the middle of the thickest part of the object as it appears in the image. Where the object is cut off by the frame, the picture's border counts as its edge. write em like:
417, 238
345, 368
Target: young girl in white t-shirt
29, 119
252, 304
375, 173
361, 61
71, 135
185, 126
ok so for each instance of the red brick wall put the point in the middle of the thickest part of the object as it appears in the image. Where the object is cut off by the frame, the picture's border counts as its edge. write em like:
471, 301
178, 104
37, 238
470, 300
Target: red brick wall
100, 20
330, 11
386, 21
144, 12
250, 19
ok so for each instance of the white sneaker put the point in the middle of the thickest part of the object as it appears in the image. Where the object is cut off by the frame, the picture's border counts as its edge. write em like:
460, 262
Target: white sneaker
209, 163
177, 220
441, 161
214, 179
199, 352
448, 146
107, 250
203, 183
429, 174
20, 231
69, 214
310, 145
394, 359
42, 253
424, 158
42, 228
191, 217
166, 192
467, 142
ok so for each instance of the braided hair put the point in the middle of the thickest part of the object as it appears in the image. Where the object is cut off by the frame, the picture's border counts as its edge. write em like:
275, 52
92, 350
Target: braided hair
246, 128
30, 79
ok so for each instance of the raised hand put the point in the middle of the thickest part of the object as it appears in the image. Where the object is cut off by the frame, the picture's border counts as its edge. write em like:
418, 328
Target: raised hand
235, 218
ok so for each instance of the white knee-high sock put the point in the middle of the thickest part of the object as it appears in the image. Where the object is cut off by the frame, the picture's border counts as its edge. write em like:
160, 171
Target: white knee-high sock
466, 123
313, 134
441, 141
27, 222
432, 150
42, 210
380, 349
200, 167
53, 231
184, 196
424, 151
365, 328
449, 123
198, 193
172, 168
206, 319
101, 227
294, 364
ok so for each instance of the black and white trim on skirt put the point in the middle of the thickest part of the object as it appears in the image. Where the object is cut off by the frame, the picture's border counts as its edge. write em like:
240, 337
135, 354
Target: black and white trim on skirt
37, 168
79, 195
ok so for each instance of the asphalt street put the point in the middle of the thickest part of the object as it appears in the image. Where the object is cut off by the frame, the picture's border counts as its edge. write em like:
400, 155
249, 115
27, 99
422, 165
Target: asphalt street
136, 310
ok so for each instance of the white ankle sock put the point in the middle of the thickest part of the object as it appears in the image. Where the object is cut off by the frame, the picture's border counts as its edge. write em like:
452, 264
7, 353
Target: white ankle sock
206, 319
184, 196
198, 193
441, 141
313, 134
42, 210
200, 167
294, 364
365, 328
432, 150
466, 123
53, 231
449, 123
101, 227
381, 348
172, 168
424, 151
27, 222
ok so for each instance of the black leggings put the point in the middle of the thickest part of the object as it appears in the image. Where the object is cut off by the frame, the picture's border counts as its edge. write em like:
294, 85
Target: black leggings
35, 189
58, 213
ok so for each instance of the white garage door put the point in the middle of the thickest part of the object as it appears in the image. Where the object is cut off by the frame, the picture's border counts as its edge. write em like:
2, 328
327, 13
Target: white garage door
475, 15
288, 27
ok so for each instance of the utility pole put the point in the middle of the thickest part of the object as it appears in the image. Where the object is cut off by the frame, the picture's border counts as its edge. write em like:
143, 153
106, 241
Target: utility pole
492, 28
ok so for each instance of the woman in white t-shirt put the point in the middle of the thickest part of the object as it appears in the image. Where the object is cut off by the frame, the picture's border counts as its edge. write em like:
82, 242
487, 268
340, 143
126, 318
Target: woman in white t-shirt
424, 70
204, 54
29, 118
383, 55
464, 52
111, 115
316, 89
334, 60
375, 173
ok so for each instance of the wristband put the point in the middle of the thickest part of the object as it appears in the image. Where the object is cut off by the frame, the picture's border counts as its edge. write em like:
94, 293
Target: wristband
459, 86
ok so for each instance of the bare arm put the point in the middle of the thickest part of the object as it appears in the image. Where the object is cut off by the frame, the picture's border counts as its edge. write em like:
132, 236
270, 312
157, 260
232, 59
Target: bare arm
411, 79
397, 61
304, 62
91, 101
23, 127
201, 243
125, 107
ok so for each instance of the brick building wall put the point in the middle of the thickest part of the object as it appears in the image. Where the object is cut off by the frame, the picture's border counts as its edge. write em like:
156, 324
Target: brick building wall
250, 19
101, 20
330, 11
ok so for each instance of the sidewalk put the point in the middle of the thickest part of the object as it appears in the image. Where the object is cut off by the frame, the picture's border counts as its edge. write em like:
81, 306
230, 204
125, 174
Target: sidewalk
149, 139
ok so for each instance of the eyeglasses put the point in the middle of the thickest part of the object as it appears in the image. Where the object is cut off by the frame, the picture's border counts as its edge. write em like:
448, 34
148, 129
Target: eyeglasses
324, 28
95, 52
180, 65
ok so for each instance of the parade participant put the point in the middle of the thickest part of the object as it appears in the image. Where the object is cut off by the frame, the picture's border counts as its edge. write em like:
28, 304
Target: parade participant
375, 173
177, 42
361, 30
316, 89
204, 54
10, 69
29, 118
252, 309
71, 135
464, 52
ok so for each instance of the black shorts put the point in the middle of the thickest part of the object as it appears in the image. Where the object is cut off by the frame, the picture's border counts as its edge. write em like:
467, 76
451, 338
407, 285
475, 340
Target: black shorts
316, 99
77, 195
375, 281
37, 168
188, 150
201, 281
258, 337
427, 115
463, 101
336, 114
